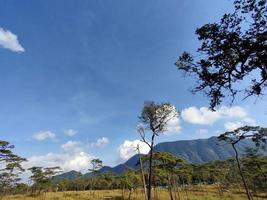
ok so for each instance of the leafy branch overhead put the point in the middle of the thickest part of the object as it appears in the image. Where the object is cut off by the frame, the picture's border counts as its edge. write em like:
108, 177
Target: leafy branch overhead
233, 50
257, 134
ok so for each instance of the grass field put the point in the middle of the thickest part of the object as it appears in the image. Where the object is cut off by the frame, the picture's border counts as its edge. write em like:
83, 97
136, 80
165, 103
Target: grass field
193, 193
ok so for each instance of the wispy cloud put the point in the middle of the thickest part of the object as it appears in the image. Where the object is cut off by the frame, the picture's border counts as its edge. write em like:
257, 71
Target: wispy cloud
71, 132
9, 40
44, 135
100, 142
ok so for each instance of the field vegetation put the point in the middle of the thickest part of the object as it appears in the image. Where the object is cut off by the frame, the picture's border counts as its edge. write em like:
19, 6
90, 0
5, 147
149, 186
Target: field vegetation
192, 193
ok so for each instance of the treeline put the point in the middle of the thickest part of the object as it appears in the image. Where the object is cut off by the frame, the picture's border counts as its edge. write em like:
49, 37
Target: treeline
169, 172
172, 173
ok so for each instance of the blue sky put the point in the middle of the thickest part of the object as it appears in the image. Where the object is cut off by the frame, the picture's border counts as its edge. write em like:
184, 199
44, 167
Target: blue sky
86, 67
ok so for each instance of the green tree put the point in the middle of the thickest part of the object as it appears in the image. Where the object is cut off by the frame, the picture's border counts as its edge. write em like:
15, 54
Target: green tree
97, 164
154, 118
257, 134
10, 167
255, 169
165, 165
42, 177
131, 180
232, 50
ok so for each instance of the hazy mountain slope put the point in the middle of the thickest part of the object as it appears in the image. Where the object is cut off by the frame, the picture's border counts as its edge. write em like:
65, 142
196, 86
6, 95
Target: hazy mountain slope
193, 151
201, 150
71, 175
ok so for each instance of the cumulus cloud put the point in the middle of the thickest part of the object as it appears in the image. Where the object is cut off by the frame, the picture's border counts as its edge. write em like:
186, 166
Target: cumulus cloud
9, 40
129, 149
71, 157
70, 132
44, 135
100, 142
173, 126
205, 116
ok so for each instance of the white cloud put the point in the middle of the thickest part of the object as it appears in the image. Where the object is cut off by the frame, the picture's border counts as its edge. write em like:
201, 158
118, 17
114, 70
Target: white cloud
100, 142
9, 40
44, 135
230, 126
173, 126
70, 132
72, 146
235, 111
205, 116
129, 149
72, 157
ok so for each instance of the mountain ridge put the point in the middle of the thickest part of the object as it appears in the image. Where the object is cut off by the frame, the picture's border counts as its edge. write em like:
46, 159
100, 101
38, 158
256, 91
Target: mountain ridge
193, 151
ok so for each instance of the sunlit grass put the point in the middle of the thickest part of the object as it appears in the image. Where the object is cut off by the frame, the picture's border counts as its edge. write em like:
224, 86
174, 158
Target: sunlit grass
193, 193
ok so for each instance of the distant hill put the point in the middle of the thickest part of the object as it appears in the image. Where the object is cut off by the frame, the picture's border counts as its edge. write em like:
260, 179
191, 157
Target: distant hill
71, 175
193, 151
202, 150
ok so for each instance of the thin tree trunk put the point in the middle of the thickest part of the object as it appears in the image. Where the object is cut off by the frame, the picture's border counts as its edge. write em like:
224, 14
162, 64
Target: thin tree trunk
130, 194
142, 173
241, 173
170, 188
150, 168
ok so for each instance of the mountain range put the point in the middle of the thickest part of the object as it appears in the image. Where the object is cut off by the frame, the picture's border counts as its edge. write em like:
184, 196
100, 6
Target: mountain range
193, 151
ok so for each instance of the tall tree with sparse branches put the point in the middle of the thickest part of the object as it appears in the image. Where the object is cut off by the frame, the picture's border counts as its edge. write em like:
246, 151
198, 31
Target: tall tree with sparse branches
256, 134
154, 118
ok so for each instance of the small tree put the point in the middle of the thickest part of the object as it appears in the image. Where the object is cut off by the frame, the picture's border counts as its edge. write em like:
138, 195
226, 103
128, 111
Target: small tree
42, 177
10, 167
257, 134
166, 166
130, 180
154, 118
97, 164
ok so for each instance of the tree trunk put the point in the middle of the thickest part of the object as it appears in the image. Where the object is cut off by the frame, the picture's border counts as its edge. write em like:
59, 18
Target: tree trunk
241, 173
142, 173
150, 167
130, 194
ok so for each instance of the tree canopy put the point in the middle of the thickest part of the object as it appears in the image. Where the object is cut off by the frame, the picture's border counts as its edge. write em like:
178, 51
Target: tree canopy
233, 50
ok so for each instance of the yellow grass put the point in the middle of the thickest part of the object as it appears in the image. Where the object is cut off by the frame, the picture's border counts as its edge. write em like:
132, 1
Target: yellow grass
194, 193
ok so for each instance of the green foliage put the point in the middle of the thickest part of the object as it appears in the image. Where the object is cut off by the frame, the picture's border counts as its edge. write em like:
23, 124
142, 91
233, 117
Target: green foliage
232, 50
10, 167
42, 177
155, 116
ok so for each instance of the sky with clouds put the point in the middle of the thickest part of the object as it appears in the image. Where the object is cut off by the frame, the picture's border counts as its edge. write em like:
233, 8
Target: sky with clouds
74, 76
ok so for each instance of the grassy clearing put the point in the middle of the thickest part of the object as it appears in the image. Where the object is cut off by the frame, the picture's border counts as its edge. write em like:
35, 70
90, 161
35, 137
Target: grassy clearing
193, 193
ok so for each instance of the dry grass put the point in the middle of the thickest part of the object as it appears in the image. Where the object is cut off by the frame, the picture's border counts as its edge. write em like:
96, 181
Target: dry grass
193, 193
